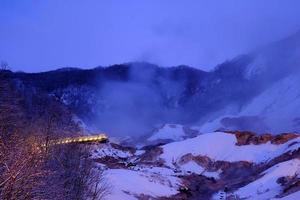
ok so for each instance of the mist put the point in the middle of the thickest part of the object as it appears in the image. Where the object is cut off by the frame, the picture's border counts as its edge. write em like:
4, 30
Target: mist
255, 92
274, 71
135, 107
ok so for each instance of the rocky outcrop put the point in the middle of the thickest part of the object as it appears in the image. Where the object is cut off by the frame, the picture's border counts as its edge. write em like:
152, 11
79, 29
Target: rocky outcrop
284, 137
189, 132
203, 161
123, 148
111, 162
246, 138
150, 157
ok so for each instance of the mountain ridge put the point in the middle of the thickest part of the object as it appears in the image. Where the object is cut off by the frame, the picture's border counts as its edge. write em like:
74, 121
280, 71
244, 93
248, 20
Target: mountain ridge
182, 94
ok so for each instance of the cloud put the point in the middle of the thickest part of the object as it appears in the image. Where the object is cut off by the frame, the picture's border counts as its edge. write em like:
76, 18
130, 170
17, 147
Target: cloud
39, 36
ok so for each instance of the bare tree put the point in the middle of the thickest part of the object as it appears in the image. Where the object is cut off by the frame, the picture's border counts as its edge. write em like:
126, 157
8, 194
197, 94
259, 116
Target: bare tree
21, 166
75, 174
28, 170
4, 66
10, 110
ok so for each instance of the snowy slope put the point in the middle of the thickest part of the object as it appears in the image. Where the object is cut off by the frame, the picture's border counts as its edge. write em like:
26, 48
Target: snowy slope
275, 110
108, 150
173, 132
293, 196
222, 146
279, 106
169, 132
275, 106
266, 187
128, 184
193, 167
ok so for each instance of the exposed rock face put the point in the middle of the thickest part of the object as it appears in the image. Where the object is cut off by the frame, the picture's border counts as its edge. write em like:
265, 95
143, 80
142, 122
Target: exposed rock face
112, 162
190, 132
123, 148
246, 137
283, 138
203, 161
150, 156
292, 185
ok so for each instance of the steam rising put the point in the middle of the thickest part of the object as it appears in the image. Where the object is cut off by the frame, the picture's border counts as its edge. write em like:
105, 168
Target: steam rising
136, 106
257, 91
242, 93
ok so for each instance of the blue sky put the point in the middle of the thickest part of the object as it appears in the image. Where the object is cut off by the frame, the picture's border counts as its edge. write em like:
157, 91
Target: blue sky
48, 34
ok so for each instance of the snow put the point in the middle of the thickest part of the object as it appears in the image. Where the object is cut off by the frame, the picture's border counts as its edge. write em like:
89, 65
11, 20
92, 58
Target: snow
163, 171
212, 125
293, 196
256, 68
266, 187
139, 152
164, 181
219, 196
221, 146
193, 167
108, 150
127, 184
278, 107
215, 175
169, 132
160, 170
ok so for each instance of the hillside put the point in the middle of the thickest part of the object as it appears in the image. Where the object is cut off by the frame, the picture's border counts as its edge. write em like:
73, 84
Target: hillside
189, 133
105, 96
178, 95
218, 165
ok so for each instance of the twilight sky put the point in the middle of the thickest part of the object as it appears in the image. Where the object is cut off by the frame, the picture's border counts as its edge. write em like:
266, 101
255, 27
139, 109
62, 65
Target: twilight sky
40, 35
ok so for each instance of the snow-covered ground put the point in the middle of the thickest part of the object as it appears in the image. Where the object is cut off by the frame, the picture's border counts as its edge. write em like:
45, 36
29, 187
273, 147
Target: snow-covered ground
293, 196
174, 132
162, 173
108, 150
221, 195
279, 105
128, 184
193, 167
222, 146
266, 187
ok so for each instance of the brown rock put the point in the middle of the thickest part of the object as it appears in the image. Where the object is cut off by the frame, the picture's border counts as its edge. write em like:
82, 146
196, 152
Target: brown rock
283, 138
246, 137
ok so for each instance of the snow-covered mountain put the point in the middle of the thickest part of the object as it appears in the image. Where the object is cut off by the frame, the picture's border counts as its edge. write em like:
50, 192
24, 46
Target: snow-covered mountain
275, 69
275, 110
257, 91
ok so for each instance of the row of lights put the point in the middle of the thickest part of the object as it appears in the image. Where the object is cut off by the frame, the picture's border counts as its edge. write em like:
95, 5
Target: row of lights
79, 139
83, 139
